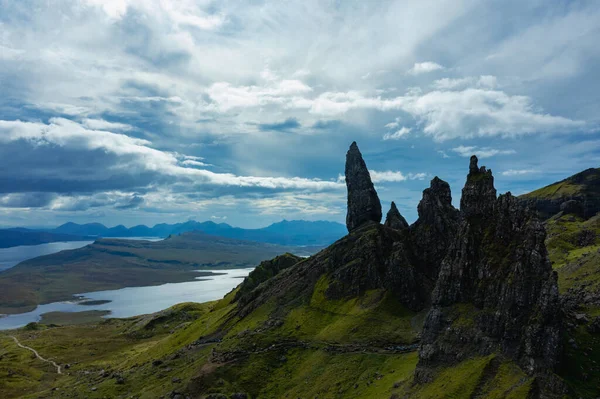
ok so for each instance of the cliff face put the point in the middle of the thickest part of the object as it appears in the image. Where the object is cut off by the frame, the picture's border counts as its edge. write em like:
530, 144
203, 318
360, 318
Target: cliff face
496, 291
437, 224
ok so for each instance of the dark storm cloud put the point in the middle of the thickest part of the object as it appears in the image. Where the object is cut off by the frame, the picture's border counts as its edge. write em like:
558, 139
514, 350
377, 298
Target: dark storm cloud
26, 200
134, 202
288, 124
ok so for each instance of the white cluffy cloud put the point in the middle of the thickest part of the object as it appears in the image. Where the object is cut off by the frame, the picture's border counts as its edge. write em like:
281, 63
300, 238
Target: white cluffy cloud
518, 172
398, 134
481, 152
424, 67
389, 176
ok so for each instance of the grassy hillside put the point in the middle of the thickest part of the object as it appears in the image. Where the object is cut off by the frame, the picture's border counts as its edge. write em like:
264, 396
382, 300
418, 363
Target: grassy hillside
361, 348
581, 183
112, 264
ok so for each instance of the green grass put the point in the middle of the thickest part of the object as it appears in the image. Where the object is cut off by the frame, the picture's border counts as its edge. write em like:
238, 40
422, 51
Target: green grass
70, 318
556, 190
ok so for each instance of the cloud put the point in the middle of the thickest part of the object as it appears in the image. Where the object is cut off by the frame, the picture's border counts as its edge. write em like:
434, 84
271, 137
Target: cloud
518, 172
486, 81
288, 124
424, 67
481, 152
389, 176
397, 134
135, 155
26, 200
101, 124
130, 96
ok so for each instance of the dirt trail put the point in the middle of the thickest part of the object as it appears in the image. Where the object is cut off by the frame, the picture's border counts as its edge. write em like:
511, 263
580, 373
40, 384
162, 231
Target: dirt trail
58, 369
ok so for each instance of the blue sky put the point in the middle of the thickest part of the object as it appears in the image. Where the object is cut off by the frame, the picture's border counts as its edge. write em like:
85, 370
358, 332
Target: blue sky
132, 111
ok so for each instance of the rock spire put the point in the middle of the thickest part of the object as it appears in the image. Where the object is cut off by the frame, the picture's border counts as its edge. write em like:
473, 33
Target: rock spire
394, 219
363, 202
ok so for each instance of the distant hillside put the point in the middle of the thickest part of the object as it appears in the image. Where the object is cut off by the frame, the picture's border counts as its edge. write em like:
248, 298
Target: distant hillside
578, 194
113, 263
295, 232
15, 237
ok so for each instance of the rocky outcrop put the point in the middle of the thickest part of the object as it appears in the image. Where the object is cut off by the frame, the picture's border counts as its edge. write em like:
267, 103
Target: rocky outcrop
372, 257
496, 291
478, 194
264, 271
394, 219
435, 228
363, 202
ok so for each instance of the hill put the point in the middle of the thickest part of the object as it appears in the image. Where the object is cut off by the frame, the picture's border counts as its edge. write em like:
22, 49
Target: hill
113, 263
578, 194
16, 237
461, 304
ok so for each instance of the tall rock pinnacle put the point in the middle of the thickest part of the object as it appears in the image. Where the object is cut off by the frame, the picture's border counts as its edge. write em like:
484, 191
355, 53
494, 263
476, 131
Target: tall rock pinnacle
363, 202
478, 194
394, 219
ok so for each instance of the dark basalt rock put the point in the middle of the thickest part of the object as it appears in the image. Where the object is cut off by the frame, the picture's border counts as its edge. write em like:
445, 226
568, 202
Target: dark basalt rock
478, 194
496, 291
363, 202
371, 257
394, 219
435, 228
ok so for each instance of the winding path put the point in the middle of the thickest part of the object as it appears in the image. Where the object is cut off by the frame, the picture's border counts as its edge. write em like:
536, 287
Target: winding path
58, 369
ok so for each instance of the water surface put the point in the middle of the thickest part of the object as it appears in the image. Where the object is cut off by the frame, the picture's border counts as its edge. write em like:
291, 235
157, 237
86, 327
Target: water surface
134, 301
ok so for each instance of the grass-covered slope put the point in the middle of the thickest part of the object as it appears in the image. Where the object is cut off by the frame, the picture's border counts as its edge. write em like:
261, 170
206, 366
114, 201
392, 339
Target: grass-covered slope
304, 342
112, 264
583, 189
357, 348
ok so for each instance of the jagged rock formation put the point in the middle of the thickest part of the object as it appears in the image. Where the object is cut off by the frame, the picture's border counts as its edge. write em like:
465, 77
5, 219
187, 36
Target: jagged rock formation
478, 194
394, 219
496, 291
578, 195
363, 202
374, 257
435, 228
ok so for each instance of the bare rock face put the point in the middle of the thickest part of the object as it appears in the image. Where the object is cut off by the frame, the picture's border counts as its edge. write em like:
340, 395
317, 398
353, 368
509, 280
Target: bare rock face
363, 202
435, 228
496, 291
479, 194
394, 219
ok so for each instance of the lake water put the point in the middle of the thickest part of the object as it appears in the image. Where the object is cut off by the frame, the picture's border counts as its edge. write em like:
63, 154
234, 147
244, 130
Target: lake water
134, 301
12, 256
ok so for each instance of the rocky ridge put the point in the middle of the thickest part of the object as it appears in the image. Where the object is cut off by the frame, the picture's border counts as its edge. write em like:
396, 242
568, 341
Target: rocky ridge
484, 269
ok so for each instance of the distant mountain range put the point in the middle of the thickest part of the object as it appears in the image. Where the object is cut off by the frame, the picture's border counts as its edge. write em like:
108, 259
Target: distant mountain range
294, 232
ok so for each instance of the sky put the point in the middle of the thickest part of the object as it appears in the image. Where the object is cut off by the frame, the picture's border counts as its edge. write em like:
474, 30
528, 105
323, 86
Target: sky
141, 112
